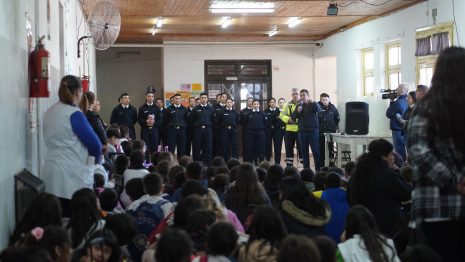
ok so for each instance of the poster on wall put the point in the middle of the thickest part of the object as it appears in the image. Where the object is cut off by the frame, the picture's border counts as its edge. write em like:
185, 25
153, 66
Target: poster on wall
185, 95
186, 87
167, 98
197, 87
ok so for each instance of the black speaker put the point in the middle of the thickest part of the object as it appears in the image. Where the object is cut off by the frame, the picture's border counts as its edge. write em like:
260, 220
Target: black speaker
357, 118
27, 187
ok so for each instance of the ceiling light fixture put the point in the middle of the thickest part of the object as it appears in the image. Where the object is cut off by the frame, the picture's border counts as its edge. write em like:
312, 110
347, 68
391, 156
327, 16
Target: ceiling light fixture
159, 22
226, 22
272, 33
293, 22
332, 9
154, 30
242, 7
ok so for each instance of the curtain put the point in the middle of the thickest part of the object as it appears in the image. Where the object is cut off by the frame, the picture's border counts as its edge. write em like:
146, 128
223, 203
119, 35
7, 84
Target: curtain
440, 41
423, 46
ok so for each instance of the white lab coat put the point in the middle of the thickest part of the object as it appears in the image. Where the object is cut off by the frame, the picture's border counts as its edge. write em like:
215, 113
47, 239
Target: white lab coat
66, 168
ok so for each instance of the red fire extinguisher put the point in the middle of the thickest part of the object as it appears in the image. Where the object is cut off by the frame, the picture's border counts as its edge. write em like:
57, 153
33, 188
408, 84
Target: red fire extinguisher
85, 83
39, 71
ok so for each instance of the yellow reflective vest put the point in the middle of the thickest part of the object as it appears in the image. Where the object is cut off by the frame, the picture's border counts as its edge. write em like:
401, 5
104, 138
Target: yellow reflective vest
285, 115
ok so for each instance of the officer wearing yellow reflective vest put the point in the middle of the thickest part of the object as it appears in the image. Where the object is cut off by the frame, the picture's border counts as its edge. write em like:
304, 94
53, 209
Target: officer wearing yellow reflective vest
291, 137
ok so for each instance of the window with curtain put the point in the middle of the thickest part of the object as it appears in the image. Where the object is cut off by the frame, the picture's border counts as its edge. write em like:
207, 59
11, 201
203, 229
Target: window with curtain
393, 62
430, 42
368, 76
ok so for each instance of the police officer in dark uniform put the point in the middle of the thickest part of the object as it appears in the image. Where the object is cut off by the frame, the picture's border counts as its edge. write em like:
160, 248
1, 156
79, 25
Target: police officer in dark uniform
125, 114
218, 109
229, 119
243, 115
150, 118
175, 119
190, 127
329, 121
255, 133
202, 118
274, 132
161, 127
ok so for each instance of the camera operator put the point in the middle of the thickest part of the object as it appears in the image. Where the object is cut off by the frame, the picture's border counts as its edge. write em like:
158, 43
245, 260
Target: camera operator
397, 108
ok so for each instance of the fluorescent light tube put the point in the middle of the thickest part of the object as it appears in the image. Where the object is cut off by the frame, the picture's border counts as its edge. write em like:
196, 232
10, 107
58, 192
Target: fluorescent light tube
226, 22
242, 7
159, 22
272, 33
294, 22
241, 10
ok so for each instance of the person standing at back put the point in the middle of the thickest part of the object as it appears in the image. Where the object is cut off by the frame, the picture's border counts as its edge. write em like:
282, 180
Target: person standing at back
421, 92
175, 119
255, 133
202, 119
291, 137
190, 127
274, 132
218, 109
307, 113
87, 104
329, 121
72, 145
395, 110
436, 147
150, 118
243, 115
229, 119
162, 127
125, 114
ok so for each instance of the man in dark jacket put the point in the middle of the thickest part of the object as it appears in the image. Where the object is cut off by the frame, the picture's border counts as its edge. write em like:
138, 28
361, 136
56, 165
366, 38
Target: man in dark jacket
217, 111
202, 120
398, 108
125, 114
175, 119
307, 114
329, 121
150, 118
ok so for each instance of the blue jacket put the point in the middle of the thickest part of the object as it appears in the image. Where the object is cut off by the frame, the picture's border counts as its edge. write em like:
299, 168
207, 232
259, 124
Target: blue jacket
397, 107
308, 117
329, 118
337, 200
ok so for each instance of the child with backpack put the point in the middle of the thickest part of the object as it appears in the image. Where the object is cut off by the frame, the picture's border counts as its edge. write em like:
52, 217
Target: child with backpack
148, 211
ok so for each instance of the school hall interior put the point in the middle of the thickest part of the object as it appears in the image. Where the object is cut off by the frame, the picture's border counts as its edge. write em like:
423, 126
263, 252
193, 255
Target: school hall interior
349, 49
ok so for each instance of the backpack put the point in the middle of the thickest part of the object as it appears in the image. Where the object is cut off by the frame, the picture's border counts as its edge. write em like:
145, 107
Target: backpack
146, 216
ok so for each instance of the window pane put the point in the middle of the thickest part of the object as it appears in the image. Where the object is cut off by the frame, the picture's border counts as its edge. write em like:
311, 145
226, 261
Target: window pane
254, 69
221, 70
369, 62
426, 74
429, 76
243, 105
394, 80
394, 57
369, 85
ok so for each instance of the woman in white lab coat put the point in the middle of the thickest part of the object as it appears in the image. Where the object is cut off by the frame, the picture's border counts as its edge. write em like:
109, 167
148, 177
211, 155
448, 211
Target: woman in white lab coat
72, 147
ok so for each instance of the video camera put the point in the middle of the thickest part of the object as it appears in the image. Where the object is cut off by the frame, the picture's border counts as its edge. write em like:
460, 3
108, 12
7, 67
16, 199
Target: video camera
388, 94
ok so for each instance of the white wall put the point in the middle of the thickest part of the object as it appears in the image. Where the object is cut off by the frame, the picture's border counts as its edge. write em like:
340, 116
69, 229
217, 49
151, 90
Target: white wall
401, 26
185, 64
325, 80
19, 148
